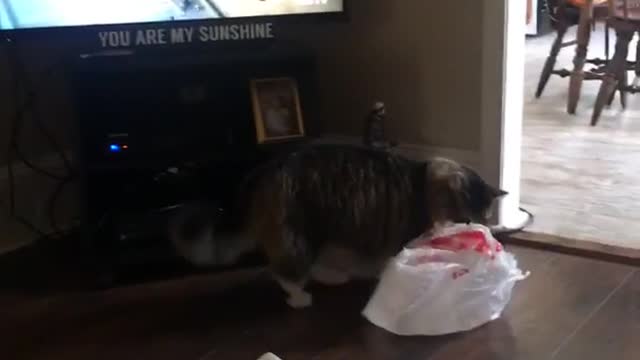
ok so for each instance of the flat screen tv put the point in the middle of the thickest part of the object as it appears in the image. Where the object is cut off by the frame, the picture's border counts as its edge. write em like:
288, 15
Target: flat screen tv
42, 14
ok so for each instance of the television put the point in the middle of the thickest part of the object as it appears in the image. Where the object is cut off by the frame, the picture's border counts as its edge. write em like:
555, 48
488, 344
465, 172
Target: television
46, 14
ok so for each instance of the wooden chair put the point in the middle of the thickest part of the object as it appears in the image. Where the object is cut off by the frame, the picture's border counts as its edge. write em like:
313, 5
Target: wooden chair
624, 18
564, 14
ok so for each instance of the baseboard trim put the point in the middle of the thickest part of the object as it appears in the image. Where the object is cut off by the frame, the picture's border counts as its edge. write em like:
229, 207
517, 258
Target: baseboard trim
583, 248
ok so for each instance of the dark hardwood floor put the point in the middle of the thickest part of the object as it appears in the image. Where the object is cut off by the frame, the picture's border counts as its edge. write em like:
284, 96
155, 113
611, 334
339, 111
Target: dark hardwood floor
570, 308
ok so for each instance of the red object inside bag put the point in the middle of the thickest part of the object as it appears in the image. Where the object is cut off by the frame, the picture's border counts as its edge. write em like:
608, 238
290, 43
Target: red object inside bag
468, 240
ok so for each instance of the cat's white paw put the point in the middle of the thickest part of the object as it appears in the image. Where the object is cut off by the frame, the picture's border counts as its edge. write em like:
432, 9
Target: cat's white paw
300, 300
329, 276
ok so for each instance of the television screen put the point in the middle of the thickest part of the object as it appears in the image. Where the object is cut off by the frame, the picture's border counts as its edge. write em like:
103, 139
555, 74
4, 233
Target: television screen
29, 14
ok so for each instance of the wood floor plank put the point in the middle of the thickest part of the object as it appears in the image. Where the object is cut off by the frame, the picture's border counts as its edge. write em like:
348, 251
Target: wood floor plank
613, 332
241, 316
345, 334
545, 310
530, 259
166, 320
582, 248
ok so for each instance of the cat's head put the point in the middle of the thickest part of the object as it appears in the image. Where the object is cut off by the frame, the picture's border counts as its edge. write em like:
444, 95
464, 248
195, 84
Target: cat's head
463, 195
478, 197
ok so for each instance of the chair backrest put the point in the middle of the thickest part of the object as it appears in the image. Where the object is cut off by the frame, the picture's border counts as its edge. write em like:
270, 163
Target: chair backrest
625, 9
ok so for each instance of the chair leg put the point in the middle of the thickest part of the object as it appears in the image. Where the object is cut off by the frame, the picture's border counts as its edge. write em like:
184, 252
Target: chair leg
636, 67
551, 59
606, 41
623, 81
613, 74
607, 88
623, 77
611, 98
636, 78
577, 75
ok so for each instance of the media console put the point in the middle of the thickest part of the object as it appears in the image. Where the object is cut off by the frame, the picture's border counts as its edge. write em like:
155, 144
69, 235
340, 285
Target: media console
158, 131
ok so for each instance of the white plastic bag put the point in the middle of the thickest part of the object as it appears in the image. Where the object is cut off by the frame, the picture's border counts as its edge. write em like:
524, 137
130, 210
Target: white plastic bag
455, 280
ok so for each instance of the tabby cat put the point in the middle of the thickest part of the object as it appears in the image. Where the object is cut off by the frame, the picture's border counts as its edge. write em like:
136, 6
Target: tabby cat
332, 213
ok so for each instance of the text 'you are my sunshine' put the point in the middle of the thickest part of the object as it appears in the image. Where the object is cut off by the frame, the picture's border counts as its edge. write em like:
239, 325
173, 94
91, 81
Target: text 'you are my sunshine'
182, 35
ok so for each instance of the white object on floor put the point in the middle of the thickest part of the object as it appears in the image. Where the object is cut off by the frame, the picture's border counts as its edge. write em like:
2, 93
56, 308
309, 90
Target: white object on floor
452, 281
269, 356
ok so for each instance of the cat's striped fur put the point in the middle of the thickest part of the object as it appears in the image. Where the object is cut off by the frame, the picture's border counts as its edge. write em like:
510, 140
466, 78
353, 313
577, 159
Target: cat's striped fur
335, 212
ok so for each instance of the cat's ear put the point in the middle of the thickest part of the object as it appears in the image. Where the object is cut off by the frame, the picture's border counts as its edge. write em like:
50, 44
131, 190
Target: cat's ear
497, 193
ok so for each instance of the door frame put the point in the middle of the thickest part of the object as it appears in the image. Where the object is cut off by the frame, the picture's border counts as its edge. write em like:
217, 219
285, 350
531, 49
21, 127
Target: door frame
502, 94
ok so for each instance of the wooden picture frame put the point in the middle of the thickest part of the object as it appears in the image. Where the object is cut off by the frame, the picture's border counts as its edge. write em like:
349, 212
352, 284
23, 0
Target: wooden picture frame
276, 109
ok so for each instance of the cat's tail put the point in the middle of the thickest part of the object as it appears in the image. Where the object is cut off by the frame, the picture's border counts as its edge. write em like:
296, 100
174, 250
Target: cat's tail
191, 231
203, 236
196, 238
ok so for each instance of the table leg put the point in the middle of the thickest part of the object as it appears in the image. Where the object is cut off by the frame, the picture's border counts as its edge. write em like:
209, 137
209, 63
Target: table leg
583, 38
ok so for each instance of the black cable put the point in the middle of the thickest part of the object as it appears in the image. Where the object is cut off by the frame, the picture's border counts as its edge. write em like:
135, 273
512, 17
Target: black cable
510, 231
14, 141
14, 152
57, 147
12, 195
30, 103
52, 204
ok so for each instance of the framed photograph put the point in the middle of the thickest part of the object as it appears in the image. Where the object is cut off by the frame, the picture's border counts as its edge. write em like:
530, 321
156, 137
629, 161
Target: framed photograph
276, 109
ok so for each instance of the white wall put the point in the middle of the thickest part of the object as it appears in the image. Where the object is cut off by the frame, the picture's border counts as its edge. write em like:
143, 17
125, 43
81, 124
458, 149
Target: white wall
502, 101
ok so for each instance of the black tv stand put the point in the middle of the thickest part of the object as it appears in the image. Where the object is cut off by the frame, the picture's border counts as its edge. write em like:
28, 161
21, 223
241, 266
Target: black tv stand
209, 137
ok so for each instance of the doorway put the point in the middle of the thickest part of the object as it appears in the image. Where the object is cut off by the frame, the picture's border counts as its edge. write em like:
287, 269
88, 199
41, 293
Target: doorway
581, 182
